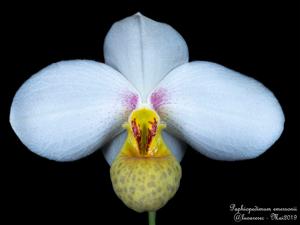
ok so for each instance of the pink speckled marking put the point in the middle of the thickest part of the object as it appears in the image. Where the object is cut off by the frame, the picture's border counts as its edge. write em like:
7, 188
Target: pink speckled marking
130, 100
158, 98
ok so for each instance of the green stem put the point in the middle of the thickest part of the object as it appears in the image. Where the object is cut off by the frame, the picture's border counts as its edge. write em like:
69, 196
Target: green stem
151, 217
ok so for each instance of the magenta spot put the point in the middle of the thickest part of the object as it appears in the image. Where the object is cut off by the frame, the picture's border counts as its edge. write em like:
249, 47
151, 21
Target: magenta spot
130, 100
136, 131
158, 98
151, 132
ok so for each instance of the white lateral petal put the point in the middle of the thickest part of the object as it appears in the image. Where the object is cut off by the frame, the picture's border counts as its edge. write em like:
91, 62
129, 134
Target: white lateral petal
112, 149
144, 50
70, 108
219, 112
176, 146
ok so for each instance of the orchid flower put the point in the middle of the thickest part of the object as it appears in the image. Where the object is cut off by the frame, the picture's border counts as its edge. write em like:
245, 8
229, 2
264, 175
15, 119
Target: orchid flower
141, 107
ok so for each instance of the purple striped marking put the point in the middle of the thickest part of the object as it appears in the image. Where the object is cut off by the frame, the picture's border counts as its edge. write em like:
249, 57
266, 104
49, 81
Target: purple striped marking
159, 98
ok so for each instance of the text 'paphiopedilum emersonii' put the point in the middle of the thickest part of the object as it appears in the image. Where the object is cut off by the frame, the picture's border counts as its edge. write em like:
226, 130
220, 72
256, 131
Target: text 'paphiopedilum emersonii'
144, 103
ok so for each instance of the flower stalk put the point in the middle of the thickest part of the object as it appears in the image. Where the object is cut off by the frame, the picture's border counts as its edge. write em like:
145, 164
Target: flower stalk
151, 217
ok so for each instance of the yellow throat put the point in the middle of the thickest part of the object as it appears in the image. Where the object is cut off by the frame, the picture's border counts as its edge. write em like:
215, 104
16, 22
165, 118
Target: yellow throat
145, 174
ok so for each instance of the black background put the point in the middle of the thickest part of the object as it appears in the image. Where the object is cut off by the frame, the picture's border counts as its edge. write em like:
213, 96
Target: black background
260, 39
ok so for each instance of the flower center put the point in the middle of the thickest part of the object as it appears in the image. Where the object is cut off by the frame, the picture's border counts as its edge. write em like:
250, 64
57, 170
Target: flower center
144, 133
145, 174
